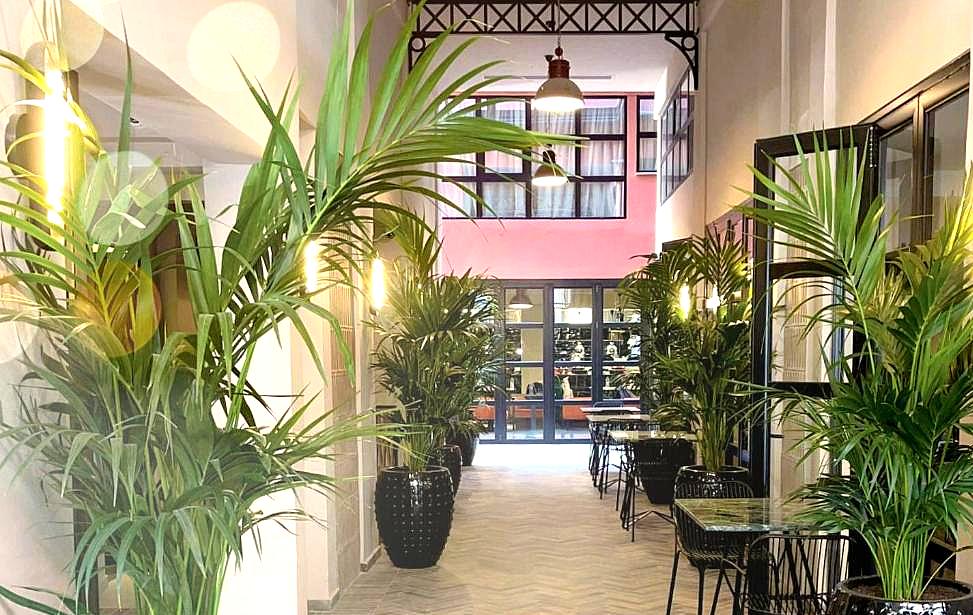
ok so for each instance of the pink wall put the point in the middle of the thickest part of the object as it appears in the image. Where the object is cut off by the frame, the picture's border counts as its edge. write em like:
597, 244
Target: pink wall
559, 249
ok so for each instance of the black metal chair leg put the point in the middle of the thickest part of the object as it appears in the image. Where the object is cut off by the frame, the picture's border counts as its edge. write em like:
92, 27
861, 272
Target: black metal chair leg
672, 581
737, 607
719, 583
699, 596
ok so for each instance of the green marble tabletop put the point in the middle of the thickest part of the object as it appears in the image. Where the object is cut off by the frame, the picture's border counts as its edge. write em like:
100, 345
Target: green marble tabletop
624, 435
617, 418
744, 514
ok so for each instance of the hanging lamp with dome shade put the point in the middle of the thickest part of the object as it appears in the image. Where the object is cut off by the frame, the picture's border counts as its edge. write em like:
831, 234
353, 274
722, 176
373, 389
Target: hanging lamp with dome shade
548, 174
520, 301
558, 94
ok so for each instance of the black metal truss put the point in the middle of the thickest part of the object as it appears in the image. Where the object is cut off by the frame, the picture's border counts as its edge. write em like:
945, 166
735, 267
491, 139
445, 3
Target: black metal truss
675, 19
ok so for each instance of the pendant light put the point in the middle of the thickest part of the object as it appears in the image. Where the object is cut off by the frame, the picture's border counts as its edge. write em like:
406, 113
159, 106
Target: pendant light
520, 301
558, 94
548, 175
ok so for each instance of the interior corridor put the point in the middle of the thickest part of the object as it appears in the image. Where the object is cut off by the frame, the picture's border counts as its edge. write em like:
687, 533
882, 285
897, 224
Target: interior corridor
531, 537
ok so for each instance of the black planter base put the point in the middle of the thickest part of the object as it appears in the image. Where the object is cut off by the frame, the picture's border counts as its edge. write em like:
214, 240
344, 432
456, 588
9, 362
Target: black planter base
450, 458
414, 511
467, 446
850, 600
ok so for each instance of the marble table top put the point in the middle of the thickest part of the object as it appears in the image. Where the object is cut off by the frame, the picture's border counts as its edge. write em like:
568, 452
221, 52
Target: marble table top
745, 514
610, 409
623, 435
619, 418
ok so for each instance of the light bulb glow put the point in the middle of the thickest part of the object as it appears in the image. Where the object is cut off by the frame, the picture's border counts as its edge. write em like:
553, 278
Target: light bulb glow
312, 252
557, 104
714, 301
549, 181
685, 301
56, 114
377, 286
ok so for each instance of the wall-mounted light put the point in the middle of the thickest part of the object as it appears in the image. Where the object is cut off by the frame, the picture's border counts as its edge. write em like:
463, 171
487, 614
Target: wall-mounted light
685, 301
548, 175
56, 116
520, 301
377, 286
312, 252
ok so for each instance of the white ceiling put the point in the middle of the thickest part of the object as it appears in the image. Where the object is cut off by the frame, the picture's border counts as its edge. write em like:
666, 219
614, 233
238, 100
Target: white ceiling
617, 63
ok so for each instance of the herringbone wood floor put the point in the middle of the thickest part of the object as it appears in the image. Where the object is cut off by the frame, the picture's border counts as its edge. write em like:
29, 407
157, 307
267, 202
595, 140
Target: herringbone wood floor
531, 537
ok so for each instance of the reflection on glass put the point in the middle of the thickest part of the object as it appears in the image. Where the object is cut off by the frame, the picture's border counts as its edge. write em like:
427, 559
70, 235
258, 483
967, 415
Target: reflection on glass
524, 344
570, 423
947, 127
895, 162
798, 357
572, 305
620, 382
572, 343
614, 308
504, 200
603, 116
525, 382
523, 305
621, 343
458, 197
602, 199
525, 422
573, 382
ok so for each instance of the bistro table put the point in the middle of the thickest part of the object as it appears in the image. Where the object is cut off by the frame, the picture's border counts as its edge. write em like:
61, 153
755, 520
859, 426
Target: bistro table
609, 409
627, 438
599, 425
745, 515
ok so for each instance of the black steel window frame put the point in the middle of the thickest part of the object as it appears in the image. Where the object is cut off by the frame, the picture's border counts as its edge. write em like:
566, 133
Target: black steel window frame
644, 134
482, 175
675, 163
548, 403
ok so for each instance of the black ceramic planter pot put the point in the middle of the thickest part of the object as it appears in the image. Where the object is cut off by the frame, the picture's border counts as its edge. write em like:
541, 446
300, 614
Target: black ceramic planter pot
450, 458
658, 462
712, 480
467, 445
414, 511
850, 599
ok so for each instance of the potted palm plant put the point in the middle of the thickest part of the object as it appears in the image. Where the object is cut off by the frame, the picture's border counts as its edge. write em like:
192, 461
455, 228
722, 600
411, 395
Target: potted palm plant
713, 359
899, 399
149, 430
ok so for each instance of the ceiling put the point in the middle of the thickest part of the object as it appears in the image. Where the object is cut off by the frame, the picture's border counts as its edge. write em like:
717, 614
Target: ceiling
614, 63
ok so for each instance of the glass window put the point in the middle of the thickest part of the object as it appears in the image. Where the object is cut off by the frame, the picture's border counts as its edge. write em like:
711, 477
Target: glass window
572, 305
463, 201
556, 123
555, 202
524, 344
524, 305
620, 382
573, 382
525, 382
895, 163
647, 121
602, 199
947, 139
615, 308
504, 200
677, 140
621, 343
601, 158
646, 150
603, 116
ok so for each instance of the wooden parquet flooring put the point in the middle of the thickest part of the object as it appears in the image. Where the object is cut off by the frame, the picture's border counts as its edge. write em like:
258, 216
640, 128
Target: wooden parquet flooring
531, 537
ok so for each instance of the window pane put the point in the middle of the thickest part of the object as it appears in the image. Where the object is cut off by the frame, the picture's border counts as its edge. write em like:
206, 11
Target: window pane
798, 357
458, 169
563, 156
524, 344
557, 123
504, 200
570, 422
498, 162
620, 382
465, 202
573, 306
616, 309
947, 129
525, 382
621, 343
603, 116
510, 112
601, 158
602, 199
573, 382
524, 305
554, 202
647, 154
896, 184
647, 115
525, 422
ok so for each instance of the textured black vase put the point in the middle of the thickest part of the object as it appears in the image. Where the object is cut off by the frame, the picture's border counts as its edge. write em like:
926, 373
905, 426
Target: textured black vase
850, 600
658, 461
450, 458
467, 445
414, 511
712, 481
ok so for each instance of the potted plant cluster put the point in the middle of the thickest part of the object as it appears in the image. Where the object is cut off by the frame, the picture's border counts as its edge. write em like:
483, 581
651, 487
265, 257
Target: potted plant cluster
708, 369
437, 349
147, 430
900, 395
